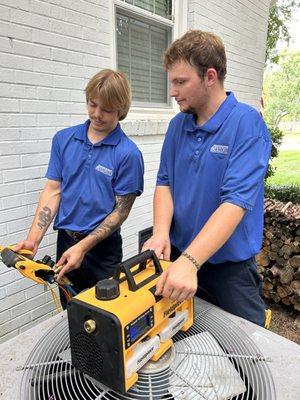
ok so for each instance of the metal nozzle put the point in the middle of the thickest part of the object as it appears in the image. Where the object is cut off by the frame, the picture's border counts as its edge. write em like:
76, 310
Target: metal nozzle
90, 326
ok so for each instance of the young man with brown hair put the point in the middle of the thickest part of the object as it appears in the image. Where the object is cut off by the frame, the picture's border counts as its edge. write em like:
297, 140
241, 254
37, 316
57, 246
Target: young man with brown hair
208, 202
94, 174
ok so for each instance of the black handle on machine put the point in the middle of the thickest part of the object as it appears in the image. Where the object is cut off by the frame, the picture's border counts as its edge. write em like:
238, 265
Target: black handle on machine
9, 257
140, 259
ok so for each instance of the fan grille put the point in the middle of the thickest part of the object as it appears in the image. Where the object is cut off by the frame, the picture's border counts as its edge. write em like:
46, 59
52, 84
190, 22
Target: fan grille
48, 374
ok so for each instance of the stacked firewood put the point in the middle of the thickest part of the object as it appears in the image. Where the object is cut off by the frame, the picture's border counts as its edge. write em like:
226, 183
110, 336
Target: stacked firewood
279, 259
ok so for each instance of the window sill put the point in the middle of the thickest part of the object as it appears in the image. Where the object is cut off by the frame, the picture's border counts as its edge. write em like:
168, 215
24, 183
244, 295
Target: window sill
140, 113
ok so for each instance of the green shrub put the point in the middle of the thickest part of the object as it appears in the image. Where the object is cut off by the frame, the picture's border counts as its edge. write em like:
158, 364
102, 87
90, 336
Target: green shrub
283, 193
277, 136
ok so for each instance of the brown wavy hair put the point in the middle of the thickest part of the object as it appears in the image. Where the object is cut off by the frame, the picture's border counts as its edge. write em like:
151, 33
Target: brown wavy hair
113, 89
202, 50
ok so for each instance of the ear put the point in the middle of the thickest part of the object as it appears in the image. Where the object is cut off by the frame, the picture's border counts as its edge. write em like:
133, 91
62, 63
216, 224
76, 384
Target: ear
211, 76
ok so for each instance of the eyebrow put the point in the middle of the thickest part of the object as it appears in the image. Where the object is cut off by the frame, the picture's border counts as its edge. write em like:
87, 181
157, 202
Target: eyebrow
179, 78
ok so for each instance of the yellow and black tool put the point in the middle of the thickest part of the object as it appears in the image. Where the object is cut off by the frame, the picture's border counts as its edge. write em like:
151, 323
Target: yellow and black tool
39, 271
119, 325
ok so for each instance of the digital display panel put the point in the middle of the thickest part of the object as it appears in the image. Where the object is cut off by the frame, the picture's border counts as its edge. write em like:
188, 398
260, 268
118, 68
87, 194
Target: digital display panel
138, 327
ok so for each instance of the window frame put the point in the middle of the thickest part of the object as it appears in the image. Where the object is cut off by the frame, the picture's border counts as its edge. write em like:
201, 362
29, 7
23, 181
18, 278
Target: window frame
177, 24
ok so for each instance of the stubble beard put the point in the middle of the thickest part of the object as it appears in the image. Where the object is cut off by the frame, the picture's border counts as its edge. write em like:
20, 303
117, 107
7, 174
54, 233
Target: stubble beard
189, 110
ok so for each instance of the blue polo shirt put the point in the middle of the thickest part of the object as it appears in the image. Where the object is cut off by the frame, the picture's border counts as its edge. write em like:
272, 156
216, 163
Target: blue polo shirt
91, 175
224, 160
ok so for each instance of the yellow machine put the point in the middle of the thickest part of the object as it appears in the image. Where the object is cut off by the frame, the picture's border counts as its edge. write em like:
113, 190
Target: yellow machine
119, 325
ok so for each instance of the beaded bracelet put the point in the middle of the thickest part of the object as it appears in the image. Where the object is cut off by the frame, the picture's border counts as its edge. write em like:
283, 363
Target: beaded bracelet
192, 260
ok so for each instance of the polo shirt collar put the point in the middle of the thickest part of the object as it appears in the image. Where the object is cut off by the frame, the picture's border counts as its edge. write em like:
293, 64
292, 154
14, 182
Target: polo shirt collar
113, 137
111, 140
216, 120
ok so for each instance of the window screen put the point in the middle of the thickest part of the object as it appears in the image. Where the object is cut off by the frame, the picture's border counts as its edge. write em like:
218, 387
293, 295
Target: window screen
140, 46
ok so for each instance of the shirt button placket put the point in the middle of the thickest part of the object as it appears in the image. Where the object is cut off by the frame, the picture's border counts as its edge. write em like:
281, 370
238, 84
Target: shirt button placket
197, 151
89, 157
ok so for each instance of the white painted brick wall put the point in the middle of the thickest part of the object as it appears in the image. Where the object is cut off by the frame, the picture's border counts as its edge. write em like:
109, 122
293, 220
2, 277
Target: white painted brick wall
242, 25
48, 51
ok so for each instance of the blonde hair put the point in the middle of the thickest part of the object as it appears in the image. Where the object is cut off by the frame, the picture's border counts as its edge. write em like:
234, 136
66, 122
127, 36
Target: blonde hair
113, 89
202, 50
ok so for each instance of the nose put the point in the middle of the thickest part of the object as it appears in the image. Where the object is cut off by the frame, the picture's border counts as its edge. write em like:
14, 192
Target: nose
173, 91
98, 113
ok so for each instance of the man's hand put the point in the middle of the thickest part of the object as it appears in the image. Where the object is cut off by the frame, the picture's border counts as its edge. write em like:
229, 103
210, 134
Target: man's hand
160, 244
71, 259
179, 282
26, 245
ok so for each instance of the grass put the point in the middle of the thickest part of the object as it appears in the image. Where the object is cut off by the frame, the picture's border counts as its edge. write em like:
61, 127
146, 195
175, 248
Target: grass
287, 166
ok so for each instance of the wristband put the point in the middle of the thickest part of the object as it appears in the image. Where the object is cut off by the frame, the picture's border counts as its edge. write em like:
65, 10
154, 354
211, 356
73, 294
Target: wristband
191, 259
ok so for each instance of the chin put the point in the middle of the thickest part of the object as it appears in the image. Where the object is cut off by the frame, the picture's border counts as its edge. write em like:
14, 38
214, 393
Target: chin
187, 110
98, 127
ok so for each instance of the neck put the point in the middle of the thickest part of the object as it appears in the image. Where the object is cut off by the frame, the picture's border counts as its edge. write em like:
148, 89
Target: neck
214, 101
95, 136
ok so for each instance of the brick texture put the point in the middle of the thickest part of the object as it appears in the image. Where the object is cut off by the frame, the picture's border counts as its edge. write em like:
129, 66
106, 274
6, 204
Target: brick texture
242, 25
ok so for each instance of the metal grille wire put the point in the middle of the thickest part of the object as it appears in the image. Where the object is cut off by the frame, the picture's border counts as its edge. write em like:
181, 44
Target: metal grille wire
50, 376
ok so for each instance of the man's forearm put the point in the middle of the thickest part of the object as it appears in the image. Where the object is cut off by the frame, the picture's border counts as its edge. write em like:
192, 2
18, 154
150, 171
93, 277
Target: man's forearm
162, 210
111, 223
215, 232
45, 212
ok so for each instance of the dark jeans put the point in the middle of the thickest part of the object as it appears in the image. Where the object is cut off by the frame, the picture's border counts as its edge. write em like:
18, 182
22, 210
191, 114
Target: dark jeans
234, 286
99, 263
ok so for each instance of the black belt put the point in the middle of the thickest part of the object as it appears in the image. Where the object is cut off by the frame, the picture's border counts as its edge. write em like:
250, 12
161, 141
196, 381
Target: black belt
77, 236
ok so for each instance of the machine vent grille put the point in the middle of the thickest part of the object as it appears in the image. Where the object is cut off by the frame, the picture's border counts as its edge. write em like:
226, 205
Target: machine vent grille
86, 350
214, 360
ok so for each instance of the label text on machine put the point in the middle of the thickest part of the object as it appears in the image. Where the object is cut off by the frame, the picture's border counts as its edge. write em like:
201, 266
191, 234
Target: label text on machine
145, 355
172, 308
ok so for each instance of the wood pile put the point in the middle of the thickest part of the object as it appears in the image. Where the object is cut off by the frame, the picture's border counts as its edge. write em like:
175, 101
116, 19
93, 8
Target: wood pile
279, 259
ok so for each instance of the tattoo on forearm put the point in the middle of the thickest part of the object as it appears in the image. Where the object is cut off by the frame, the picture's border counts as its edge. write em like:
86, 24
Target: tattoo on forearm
44, 217
123, 205
114, 220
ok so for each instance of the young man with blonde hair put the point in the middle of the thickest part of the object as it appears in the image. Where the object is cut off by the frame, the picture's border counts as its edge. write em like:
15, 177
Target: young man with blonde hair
94, 174
208, 202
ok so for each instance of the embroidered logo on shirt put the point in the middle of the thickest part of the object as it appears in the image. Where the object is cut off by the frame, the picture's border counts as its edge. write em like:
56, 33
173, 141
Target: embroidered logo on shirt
219, 148
104, 170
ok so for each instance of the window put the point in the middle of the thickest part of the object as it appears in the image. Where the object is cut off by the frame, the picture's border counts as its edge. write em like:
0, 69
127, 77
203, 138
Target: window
159, 7
143, 31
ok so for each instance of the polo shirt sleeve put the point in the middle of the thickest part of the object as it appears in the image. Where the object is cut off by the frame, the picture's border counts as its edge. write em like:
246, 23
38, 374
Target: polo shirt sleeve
248, 162
166, 157
54, 170
130, 175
